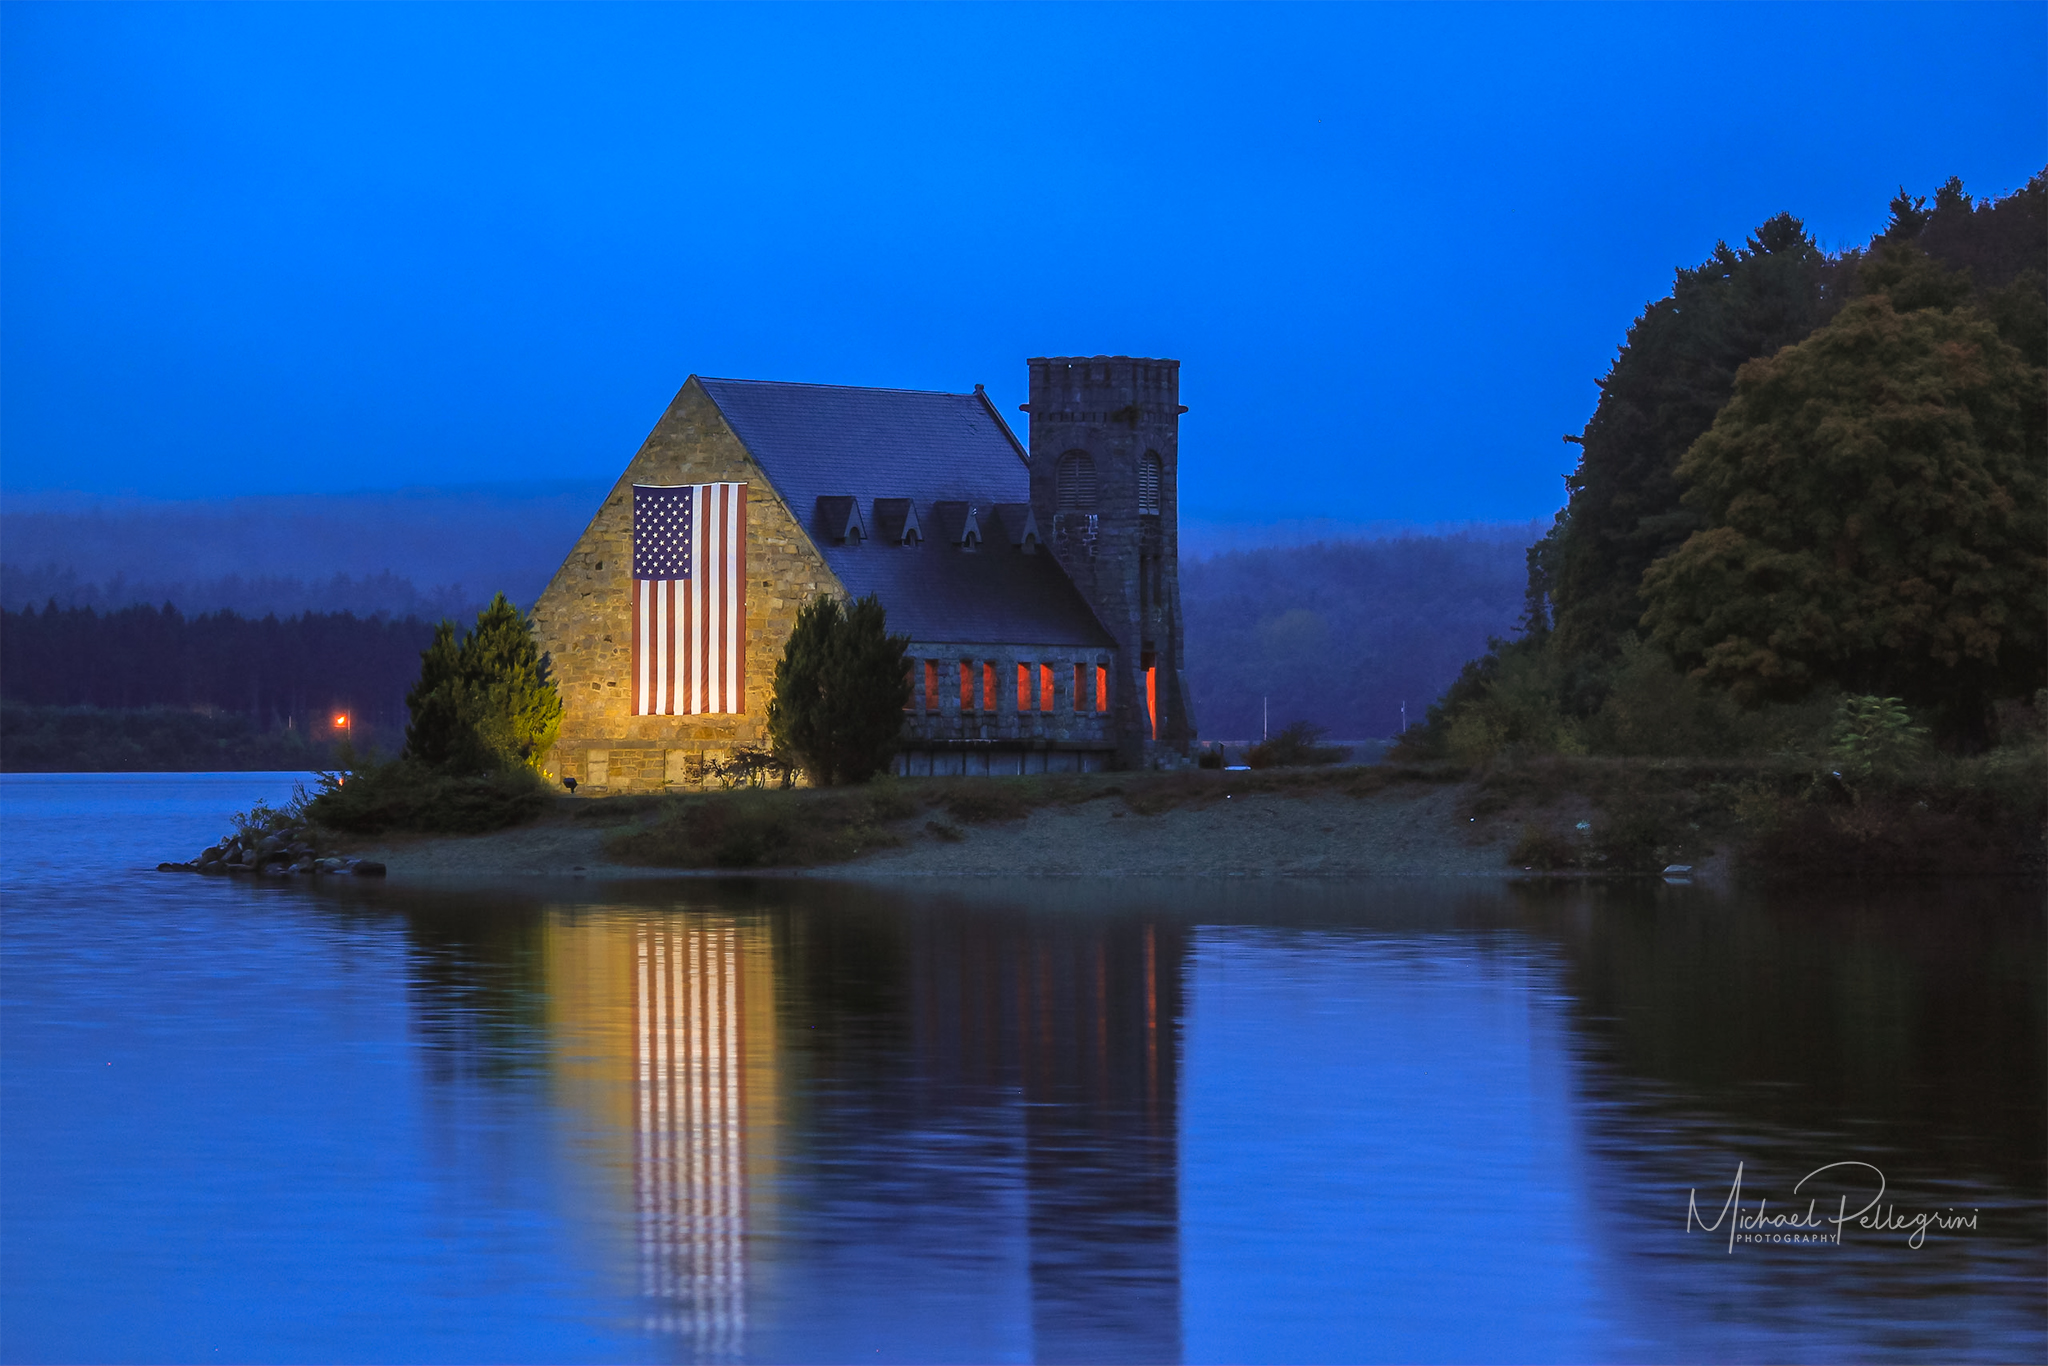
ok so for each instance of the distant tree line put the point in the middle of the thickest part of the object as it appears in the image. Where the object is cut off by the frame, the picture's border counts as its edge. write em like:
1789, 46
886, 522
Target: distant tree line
297, 672
153, 740
381, 594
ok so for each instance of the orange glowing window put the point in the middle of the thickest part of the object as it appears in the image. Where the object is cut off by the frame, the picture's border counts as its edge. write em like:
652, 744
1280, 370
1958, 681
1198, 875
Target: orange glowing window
931, 685
988, 687
1152, 699
1101, 688
1023, 687
967, 685
1045, 687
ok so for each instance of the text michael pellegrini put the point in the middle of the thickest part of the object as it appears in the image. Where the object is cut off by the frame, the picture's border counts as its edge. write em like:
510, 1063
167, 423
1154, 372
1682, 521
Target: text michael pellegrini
1811, 1226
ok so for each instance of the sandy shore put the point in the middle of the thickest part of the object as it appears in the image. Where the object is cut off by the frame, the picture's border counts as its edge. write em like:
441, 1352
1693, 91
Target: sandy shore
1404, 831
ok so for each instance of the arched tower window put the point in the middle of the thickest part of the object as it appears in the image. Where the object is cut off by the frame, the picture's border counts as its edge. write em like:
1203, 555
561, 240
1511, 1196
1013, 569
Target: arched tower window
1077, 482
1148, 485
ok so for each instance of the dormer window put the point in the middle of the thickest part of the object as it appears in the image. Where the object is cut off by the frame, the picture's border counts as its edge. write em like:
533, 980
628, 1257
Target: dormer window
896, 522
957, 524
1148, 485
838, 519
1014, 524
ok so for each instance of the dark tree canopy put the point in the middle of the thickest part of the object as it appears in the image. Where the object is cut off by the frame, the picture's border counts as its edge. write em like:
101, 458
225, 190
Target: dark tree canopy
840, 690
1875, 518
1675, 370
1866, 512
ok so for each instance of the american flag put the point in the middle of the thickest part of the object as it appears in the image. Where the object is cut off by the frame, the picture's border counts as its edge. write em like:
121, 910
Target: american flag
689, 599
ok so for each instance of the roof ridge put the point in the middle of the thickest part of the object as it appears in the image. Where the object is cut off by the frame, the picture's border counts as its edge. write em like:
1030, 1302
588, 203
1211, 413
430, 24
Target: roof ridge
850, 388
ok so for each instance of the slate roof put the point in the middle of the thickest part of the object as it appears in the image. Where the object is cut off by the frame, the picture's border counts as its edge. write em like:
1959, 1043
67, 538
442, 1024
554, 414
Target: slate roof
821, 441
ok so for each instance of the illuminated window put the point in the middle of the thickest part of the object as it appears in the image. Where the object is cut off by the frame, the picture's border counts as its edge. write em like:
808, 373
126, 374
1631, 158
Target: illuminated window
1045, 687
1023, 687
1076, 482
1101, 688
988, 687
1148, 485
1152, 699
931, 685
967, 685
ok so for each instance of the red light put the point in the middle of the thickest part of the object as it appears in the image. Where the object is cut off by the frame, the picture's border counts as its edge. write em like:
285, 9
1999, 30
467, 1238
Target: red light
342, 719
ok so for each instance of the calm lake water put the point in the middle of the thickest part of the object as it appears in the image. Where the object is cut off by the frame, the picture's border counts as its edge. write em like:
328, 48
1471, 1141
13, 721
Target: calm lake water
1135, 1121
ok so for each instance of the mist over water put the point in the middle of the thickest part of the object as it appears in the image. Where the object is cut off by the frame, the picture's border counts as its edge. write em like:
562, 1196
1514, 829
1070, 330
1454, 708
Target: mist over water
422, 551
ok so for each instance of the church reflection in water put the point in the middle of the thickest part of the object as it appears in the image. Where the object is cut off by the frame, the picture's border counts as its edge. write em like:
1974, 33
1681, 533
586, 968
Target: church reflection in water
1075, 1021
848, 1108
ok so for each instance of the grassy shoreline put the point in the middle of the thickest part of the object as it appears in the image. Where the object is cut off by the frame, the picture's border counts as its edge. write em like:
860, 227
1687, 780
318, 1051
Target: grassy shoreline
1778, 819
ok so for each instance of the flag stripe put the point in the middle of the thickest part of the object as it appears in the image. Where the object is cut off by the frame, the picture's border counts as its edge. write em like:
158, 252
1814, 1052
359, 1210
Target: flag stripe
661, 656
639, 648
739, 574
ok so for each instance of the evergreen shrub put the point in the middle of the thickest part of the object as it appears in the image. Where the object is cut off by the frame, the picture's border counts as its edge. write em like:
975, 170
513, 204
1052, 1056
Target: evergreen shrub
841, 687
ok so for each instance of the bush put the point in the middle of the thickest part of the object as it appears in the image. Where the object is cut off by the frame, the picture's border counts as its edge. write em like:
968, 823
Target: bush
1521, 707
1874, 735
1545, 849
1985, 814
1654, 710
840, 690
1295, 746
408, 796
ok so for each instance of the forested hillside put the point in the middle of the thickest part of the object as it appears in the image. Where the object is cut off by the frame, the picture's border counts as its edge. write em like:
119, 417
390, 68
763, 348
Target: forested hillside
1343, 634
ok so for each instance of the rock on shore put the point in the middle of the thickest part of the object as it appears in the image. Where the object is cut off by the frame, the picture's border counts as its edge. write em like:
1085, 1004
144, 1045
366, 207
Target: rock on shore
288, 851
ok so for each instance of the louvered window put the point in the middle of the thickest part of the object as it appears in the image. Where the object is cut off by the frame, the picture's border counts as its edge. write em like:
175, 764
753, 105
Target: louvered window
1077, 481
1148, 485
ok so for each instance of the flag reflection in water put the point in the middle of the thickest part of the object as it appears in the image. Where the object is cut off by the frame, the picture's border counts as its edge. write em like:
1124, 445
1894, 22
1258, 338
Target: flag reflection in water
668, 1023
690, 1160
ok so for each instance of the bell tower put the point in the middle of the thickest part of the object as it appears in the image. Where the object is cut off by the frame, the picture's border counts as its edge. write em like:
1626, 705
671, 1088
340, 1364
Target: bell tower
1105, 453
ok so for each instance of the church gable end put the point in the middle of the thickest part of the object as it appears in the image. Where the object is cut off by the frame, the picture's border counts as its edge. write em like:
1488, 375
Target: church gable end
584, 620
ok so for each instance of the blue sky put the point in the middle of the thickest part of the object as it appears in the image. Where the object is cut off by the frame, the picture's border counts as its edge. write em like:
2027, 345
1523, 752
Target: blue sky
273, 249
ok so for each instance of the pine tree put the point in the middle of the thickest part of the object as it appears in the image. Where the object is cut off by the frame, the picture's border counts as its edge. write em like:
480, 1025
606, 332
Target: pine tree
840, 691
518, 712
486, 700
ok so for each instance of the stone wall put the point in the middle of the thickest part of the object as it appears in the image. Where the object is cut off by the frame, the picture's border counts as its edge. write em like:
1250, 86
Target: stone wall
584, 619
992, 716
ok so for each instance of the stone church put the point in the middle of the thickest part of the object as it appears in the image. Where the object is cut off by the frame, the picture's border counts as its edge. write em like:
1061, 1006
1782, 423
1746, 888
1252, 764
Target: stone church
1038, 585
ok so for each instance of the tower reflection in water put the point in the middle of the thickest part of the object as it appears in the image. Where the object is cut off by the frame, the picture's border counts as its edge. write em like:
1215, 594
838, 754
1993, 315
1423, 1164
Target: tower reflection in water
848, 1122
